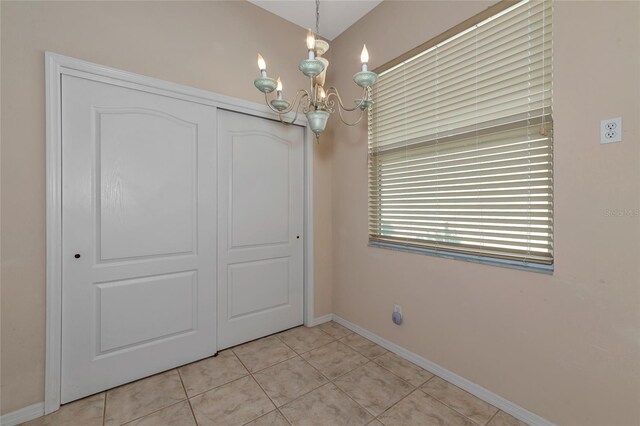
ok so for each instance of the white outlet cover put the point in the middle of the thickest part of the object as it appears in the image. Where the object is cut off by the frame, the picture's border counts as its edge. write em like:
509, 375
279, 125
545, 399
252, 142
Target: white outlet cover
611, 130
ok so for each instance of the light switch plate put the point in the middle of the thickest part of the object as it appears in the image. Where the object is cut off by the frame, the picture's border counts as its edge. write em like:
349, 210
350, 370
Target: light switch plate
611, 130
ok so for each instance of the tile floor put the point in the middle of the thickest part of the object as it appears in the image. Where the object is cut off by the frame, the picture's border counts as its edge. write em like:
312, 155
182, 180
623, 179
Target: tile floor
324, 375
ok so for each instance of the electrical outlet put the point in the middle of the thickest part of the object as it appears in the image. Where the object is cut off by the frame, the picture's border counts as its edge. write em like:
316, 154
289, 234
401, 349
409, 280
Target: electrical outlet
396, 316
611, 130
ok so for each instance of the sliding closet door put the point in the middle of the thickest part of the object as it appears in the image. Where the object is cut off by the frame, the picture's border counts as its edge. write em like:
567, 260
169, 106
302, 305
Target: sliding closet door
139, 234
260, 224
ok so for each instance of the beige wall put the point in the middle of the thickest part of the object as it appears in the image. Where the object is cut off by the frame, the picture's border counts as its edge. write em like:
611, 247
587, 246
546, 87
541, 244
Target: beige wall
564, 346
567, 346
209, 45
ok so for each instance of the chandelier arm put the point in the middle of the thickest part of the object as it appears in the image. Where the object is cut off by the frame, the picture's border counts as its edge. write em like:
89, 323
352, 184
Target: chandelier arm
332, 91
350, 124
295, 117
299, 97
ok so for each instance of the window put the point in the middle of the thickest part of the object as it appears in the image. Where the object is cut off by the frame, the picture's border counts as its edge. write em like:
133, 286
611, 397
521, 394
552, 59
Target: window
460, 143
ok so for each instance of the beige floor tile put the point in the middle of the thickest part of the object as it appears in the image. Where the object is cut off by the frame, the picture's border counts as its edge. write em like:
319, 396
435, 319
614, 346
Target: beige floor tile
263, 353
504, 419
303, 339
288, 380
211, 372
143, 397
235, 403
175, 415
404, 369
334, 359
274, 418
325, 406
364, 346
419, 409
335, 329
84, 412
460, 400
373, 387
375, 423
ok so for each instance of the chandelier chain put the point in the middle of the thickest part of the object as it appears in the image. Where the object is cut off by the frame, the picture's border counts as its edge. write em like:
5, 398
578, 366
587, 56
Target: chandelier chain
318, 17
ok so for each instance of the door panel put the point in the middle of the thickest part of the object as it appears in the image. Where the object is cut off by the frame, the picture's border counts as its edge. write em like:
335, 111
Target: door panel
259, 168
266, 281
260, 223
173, 311
138, 196
162, 162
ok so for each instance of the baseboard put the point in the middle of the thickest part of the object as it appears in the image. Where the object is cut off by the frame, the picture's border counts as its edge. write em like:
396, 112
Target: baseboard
22, 415
496, 400
321, 320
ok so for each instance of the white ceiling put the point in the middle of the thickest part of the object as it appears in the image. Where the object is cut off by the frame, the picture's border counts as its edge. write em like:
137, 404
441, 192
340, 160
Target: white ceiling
335, 15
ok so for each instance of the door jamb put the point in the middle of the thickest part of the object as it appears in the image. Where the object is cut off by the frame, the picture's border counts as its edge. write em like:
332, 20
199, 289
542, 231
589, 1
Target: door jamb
57, 65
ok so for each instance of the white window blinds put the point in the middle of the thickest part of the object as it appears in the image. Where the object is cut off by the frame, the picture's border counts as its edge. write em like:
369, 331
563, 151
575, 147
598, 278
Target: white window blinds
460, 142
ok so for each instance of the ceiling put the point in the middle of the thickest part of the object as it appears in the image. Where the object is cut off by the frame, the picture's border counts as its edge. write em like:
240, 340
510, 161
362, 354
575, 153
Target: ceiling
335, 15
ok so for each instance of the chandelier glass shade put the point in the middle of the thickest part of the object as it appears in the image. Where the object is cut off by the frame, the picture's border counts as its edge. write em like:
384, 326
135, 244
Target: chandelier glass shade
317, 103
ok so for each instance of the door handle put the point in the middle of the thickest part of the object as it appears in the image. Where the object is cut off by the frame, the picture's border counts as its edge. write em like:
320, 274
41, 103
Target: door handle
77, 256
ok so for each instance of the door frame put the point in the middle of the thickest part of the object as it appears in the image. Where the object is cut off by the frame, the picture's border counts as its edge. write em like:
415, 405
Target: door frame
57, 65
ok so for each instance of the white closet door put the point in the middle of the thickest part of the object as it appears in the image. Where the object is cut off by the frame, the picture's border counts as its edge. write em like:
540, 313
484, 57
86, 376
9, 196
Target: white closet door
260, 224
139, 234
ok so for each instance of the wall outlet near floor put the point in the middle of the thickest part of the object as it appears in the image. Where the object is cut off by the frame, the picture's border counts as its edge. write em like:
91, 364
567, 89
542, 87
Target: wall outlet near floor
611, 130
396, 316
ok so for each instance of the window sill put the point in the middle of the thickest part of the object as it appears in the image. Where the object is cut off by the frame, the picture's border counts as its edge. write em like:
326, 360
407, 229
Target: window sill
511, 264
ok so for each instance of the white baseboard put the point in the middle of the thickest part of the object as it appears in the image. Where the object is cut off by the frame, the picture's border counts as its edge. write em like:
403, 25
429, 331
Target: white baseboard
22, 415
496, 400
321, 320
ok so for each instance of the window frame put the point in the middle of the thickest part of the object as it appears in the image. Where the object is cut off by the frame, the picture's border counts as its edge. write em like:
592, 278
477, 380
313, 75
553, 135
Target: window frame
444, 253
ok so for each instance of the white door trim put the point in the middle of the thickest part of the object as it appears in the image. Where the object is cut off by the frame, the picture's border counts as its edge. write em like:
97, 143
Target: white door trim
55, 66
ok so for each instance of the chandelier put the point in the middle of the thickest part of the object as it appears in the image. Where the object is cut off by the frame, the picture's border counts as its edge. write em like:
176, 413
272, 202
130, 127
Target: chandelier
317, 103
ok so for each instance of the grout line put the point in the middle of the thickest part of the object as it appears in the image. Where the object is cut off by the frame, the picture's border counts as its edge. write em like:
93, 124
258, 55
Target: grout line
395, 375
321, 346
317, 371
354, 401
330, 381
453, 408
304, 352
389, 370
352, 370
187, 395
258, 383
283, 416
433, 376
235, 380
193, 414
219, 386
184, 388
259, 417
264, 391
372, 361
264, 368
299, 396
395, 403
104, 409
398, 377
491, 418
152, 412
